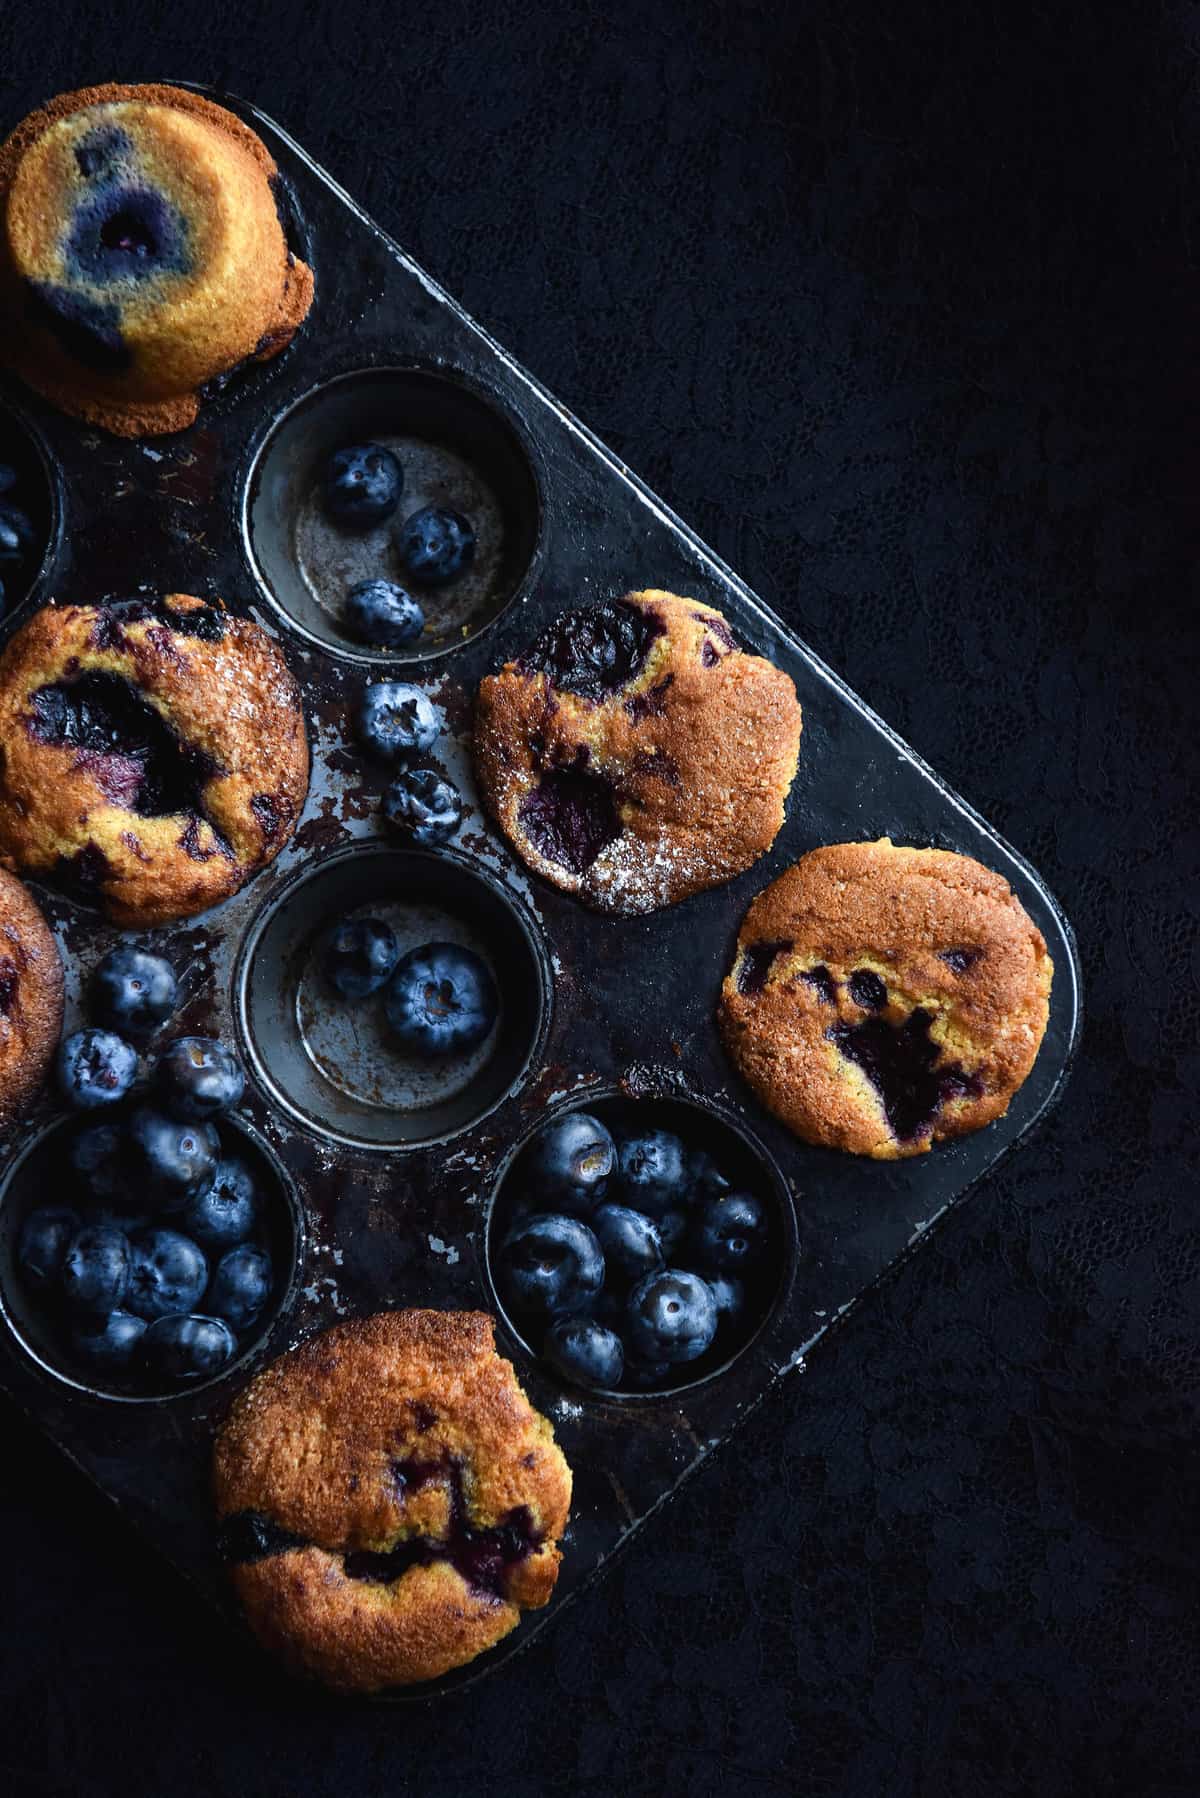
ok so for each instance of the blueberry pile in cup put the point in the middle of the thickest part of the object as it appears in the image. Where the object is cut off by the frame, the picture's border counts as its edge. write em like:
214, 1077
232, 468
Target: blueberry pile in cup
19, 545
630, 1256
154, 1262
361, 487
439, 1000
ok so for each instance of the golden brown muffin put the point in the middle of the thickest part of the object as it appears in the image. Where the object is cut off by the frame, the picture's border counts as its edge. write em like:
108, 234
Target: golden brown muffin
391, 1500
142, 254
635, 755
31, 1000
883, 998
152, 753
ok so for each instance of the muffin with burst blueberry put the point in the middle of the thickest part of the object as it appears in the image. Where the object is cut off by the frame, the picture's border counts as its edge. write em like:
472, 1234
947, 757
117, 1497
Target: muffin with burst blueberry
390, 1501
884, 998
635, 755
31, 1000
143, 256
153, 754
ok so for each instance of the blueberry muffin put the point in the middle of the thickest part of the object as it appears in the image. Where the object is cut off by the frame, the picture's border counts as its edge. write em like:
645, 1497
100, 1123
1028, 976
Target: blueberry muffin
390, 1500
142, 256
882, 999
31, 1000
152, 753
635, 755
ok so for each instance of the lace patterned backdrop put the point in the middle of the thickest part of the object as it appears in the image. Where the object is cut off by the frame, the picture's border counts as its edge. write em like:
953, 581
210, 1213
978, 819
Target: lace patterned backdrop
897, 305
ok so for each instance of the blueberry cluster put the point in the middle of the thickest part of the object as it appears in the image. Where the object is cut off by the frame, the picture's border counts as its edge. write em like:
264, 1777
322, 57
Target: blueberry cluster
362, 486
439, 999
18, 539
627, 1254
159, 1264
394, 721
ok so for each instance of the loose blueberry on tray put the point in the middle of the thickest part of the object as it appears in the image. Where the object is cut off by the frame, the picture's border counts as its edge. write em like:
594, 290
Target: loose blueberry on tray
95, 1068
380, 612
441, 1000
634, 1239
436, 546
18, 539
423, 805
199, 1077
395, 719
361, 485
162, 1263
359, 956
133, 991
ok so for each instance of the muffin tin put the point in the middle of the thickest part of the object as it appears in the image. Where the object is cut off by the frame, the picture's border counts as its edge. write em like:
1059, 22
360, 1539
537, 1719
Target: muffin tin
396, 1170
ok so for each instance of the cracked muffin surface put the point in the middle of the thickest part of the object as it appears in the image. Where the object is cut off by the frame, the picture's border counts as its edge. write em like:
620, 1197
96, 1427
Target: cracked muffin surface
635, 755
884, 998
143, 254
153, 755
31, 1000
390, 1500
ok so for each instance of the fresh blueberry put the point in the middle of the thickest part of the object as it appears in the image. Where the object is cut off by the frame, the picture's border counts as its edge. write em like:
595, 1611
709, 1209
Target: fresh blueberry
180, 1348
672, 1228
382, 612
584, 1352
730, 1231
167, 1272
198, 1077
424, 805
672, 1316
652, 1171
95, 1269
43, 1243
436, 546
630, 1240
133, 991
551, 1265
362, 485
729, 1296
113, 1344
570, 1161
171, 1158
95, 1068
395, 719
647, 1376
358, 957
441, 1000
17, 535
240, 1286
96, 1154
226, 1210
705, 1179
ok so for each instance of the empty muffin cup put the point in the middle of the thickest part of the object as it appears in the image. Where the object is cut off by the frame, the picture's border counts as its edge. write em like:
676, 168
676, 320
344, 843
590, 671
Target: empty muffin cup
703, 1127
457, 450
335, 1064
40, 1176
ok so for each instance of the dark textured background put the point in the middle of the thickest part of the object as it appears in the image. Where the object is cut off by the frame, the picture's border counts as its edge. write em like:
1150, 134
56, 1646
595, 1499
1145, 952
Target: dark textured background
898, 305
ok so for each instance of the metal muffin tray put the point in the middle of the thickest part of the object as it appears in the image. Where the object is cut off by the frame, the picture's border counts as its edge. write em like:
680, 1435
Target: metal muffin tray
388, 1186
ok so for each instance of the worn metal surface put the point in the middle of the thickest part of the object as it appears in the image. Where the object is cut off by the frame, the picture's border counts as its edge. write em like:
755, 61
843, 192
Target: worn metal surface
633, 1000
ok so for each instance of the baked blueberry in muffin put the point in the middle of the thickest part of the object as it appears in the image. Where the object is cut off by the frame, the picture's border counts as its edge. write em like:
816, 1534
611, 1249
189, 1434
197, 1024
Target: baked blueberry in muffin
883, 998
143, 254
390, 1500
152, 753
635, 755
31, 1000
